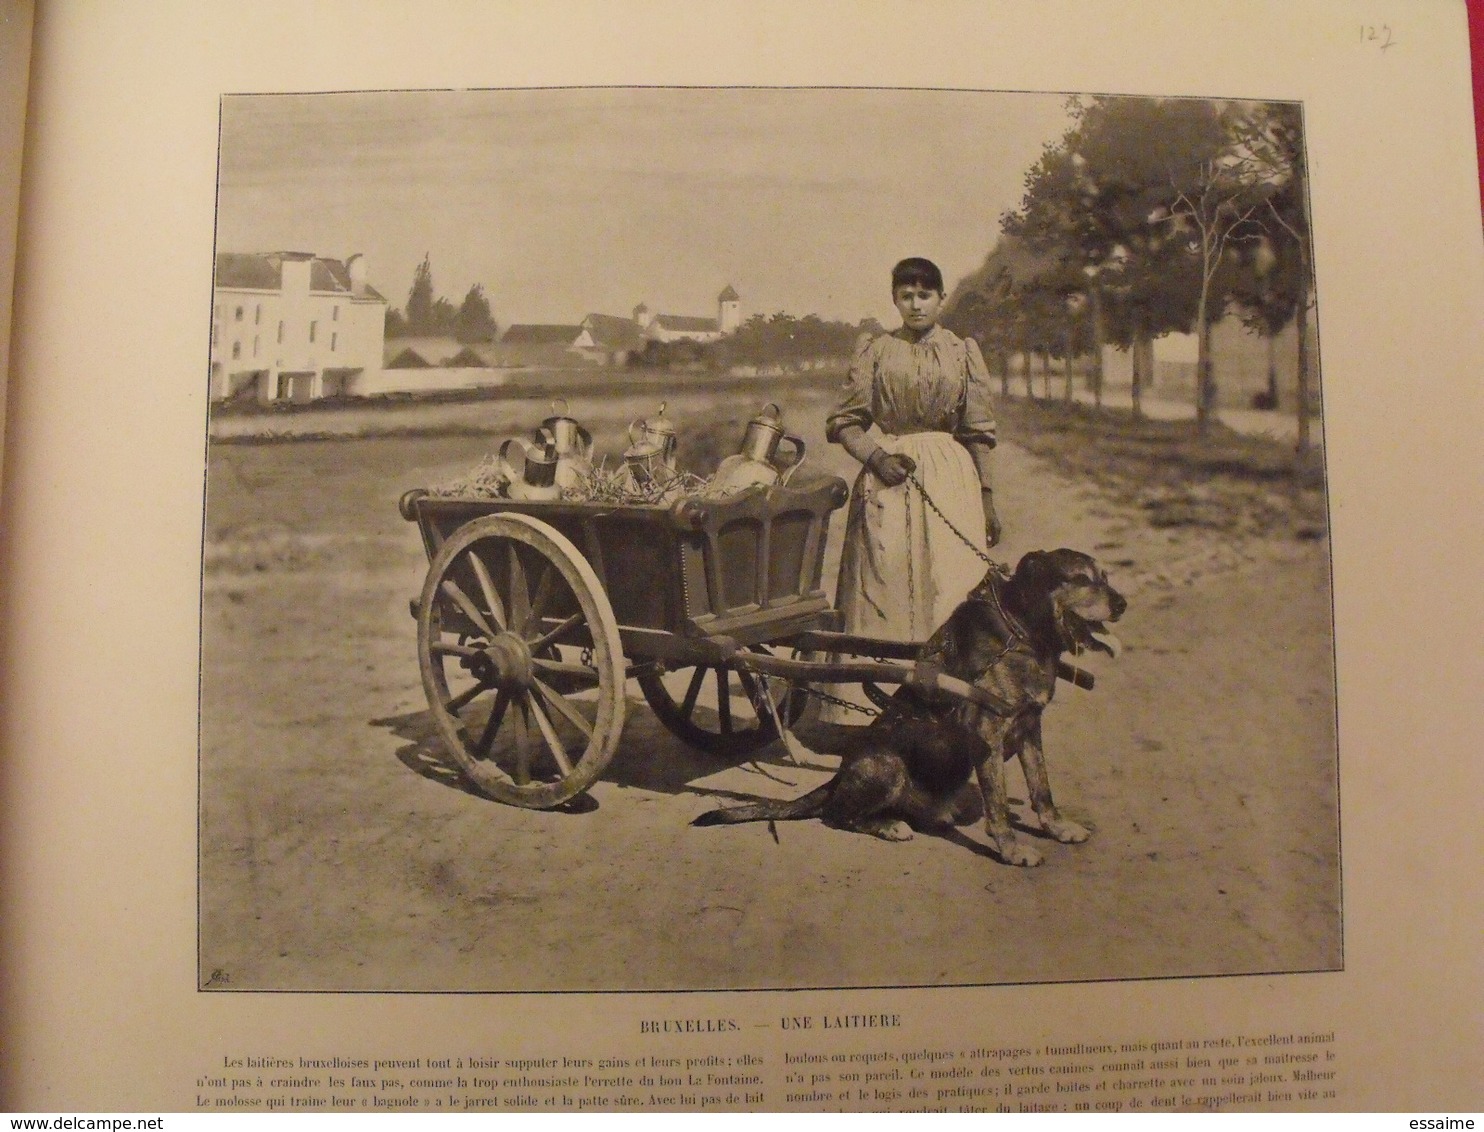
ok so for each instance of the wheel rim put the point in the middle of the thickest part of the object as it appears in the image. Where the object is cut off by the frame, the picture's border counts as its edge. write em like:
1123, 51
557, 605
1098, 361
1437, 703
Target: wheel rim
521, 661
716, 708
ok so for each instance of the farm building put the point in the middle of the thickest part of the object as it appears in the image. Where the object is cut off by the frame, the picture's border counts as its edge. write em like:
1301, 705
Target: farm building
609, 339
421, 352
527, 344
292, 326
692, 328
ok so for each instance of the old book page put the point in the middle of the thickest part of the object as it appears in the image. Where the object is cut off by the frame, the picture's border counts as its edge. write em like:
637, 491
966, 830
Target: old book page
240, 875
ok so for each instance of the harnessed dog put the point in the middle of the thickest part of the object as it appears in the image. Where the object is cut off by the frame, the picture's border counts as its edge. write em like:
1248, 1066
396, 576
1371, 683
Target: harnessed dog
1008, 638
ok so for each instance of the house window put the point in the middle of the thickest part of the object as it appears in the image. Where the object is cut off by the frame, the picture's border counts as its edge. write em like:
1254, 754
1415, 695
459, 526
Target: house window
216, 335
335, 314
254, 345
236, 350
334, 338
257, 315
239, 314
313, 327
280, 333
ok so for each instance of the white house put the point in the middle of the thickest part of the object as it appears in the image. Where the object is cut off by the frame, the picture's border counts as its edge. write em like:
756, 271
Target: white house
293, 326
692, 328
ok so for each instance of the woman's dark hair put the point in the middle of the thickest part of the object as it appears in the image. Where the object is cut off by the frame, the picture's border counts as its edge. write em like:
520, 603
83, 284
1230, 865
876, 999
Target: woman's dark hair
917, 272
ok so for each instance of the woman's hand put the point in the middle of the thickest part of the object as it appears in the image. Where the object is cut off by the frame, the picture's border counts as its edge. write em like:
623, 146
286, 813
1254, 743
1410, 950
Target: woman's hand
991, 519
891, 468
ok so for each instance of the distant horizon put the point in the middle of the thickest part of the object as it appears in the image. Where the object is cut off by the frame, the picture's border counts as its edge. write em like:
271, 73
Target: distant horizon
564, 203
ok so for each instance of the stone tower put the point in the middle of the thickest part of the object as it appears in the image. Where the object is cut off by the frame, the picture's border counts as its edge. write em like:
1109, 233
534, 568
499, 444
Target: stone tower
728, 310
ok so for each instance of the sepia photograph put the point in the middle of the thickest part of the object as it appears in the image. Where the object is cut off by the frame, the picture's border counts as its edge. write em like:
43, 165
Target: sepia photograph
741, 538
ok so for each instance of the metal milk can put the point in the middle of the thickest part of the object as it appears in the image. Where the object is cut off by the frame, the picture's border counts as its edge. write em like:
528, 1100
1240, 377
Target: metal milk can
574, 446
537, 477
650, 459
756, 463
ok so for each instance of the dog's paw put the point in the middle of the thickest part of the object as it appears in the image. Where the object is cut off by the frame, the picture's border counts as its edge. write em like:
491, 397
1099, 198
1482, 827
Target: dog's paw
1013, 851
893, 831
967, 806
1066, 831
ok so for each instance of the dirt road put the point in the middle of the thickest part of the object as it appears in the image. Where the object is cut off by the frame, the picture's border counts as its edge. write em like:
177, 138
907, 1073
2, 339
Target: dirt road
339, 849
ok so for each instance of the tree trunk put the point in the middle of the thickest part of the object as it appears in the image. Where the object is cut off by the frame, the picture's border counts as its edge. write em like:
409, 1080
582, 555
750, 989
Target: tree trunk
1095, 307
1046, 373
1205, 388
1066, 362
1143, 359
1004, 360
1025, 368
1272, 371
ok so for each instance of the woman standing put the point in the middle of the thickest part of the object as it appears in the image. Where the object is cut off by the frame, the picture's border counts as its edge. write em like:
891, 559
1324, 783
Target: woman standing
916, 412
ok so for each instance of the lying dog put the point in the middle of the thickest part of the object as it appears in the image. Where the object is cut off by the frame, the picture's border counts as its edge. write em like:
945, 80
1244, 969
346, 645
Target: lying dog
1007, 637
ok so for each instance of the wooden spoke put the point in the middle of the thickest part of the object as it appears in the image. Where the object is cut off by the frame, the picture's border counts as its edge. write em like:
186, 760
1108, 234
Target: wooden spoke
548, 732
492, 725
754, 692
555, 598
559, 703
538, 602
724, 701
520, 594
487, 585
564, 668
464, 698
688, 705
520, 732
471, 611
727, 731
546, 640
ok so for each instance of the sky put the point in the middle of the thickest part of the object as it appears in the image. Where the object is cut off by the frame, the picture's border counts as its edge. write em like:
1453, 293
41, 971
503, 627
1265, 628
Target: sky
569, 201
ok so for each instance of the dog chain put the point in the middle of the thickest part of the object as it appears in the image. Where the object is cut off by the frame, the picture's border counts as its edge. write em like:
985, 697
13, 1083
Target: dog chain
836, 700
806, 690
947, 522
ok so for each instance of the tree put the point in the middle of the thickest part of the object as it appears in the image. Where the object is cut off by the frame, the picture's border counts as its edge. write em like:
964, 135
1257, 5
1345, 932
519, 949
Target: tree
1145, 199
1213, 206
474, 321
1270, 136
782, 339
1129, 150
1059, 218
395, 325
420, 300
1021, 301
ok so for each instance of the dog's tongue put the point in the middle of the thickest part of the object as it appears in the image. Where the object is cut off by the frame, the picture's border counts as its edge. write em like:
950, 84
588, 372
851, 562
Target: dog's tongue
1107, 641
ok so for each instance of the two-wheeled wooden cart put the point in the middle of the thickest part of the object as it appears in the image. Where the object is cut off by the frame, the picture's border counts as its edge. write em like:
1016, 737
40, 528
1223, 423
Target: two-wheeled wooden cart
534, 615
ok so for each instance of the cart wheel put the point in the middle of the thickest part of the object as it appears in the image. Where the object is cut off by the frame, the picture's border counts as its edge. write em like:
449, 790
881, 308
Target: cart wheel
521, 660
715, 708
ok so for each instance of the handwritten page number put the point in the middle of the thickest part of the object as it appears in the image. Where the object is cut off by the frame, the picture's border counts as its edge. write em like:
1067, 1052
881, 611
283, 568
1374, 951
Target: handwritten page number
1379, 34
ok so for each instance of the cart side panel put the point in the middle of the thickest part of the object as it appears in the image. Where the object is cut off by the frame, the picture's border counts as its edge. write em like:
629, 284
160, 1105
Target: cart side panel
760, 557
737, 550
641, 568
633, 550
791, 573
